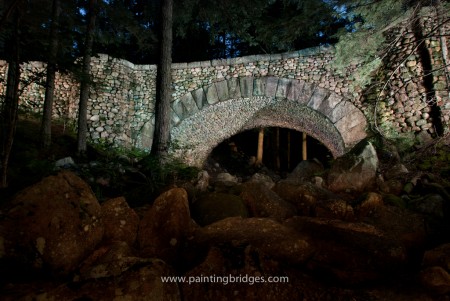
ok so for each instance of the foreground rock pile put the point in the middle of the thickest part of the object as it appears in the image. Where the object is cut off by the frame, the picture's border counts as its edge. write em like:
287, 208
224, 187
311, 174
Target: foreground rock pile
344, 234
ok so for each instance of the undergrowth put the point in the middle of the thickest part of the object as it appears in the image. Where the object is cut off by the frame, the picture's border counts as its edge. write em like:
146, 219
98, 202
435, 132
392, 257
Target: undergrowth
111, 171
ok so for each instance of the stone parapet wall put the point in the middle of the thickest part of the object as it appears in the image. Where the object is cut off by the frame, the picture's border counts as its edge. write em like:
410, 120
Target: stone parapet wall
310, 65
32, 89
121, 100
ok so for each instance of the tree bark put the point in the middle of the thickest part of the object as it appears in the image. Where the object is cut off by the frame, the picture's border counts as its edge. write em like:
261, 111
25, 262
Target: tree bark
163, 84
85, 81
7, 12
46, 127
11, 103
259, 153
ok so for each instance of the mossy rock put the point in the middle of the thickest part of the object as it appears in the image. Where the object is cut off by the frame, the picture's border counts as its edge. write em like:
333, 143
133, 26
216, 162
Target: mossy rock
394, 200
211, 207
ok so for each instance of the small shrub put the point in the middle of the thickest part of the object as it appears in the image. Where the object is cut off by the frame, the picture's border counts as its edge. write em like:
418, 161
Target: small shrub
168, 171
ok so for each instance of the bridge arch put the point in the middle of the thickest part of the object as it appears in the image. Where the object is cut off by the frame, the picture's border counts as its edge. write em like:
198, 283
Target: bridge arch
207, 116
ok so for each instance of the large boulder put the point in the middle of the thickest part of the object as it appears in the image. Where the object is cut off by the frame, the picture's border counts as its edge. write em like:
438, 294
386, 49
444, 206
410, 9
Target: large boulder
334, 208
121, 222
234, 274
225, 183
356, 171
406, 227
211, 207
166, 226
370, 205
229, 273
54, 223
261, 201
435, 275
271, 238
436, 280
311, 200
109, 260
144, 282
439, 256
307, 169
303, 195
263, 179
349, 252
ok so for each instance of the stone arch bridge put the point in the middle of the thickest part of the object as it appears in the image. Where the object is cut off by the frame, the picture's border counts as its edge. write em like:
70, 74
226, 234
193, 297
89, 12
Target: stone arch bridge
297, 90
206, 116
214, 100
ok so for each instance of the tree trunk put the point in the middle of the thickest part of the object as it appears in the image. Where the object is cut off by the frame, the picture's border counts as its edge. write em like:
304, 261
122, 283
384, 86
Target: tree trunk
10, 106
304, 147
46, 127
259, 153
7, 12
163, 84
85, 81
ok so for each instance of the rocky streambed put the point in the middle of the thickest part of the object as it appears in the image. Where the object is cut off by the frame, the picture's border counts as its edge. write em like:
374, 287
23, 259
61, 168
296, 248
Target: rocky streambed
348, 233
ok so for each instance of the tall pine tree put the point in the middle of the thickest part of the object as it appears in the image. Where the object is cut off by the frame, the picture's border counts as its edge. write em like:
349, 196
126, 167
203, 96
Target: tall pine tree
86, 80
163, 83
46, 127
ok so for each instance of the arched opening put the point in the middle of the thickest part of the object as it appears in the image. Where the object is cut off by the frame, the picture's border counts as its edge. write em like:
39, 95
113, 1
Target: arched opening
197, 135
282, 150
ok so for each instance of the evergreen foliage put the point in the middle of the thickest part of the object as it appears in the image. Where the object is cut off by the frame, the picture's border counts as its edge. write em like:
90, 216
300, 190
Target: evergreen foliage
362, 42
239, 28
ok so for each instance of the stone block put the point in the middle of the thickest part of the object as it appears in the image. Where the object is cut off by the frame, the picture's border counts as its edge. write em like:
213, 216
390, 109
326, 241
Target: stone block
317, 98
329, 103
189, 105
296, 90
352, 128
271, 86
218, 62
246, 85
174, 119
306, 94
284, 85
177, 108
276, 57
222, 90
211, 95
146, 135
259, 86
199, 97
341, 110
234, 89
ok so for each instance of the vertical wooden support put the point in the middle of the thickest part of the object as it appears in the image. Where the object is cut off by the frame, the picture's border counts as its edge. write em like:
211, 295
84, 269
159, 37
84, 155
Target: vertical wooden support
304, 147
277, 149
259, 154
289, 150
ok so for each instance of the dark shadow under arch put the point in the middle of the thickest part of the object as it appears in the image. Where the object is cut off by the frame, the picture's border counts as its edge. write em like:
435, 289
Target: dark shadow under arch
196, 136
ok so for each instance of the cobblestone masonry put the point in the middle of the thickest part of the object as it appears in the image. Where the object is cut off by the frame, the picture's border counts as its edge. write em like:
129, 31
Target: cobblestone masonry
213, 100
